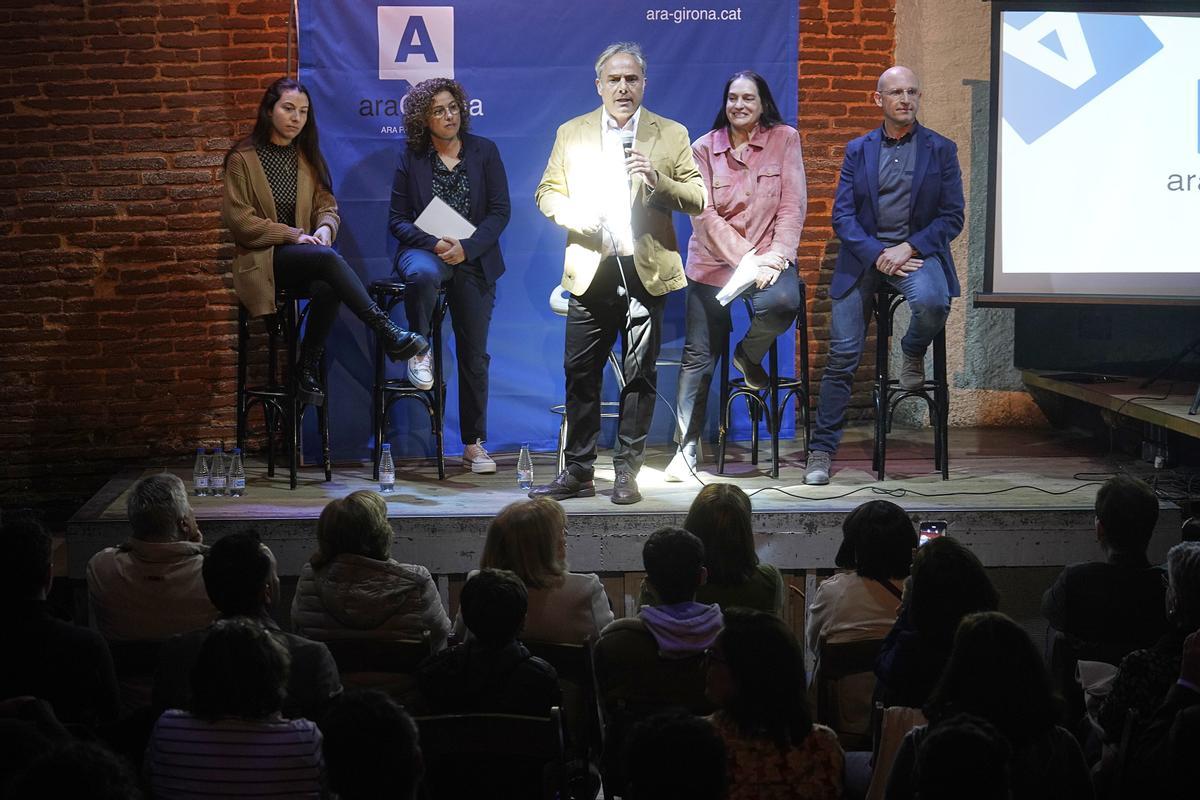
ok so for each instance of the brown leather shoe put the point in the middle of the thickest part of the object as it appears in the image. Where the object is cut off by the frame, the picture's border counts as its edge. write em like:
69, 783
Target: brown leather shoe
563, 487
755, 376
625, 490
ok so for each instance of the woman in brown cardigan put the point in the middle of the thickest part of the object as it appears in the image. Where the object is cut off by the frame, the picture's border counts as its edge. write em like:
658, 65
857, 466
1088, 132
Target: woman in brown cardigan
279, 205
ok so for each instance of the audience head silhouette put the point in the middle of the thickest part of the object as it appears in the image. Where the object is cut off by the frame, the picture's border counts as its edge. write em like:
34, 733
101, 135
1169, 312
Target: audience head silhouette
371, 748
77, 769
963, 756
675, 756
948, 582
720, 517
756, 677
878, 539
1126, 513
529, 537
158, 509
494, 603
996, 672
674, 564
240, 672
356, 524
1183, 586
25, 570
239, 575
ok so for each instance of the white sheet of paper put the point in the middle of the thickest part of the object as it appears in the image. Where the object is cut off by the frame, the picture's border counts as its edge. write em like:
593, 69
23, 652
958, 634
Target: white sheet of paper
742, 278
439, 219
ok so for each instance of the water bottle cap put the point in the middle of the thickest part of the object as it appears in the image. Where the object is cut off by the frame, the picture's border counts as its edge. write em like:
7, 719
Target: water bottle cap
387, 446
199, 451
237, 451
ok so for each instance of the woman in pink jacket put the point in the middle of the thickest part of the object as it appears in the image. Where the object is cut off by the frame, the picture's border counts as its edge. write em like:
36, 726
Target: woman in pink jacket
757, 198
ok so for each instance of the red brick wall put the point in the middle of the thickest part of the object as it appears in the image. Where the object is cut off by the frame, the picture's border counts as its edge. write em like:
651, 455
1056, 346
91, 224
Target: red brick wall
116, 329
117, 320
844, 45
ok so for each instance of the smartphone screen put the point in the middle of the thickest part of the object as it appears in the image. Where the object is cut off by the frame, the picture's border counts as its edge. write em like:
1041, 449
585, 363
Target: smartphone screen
930, 529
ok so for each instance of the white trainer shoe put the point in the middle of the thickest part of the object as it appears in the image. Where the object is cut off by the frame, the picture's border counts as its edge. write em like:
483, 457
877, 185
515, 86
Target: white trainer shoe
682, 466
475, 457
420, 371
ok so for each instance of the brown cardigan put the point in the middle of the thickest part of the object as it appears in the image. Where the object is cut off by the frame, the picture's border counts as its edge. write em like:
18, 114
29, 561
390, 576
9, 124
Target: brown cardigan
248, 209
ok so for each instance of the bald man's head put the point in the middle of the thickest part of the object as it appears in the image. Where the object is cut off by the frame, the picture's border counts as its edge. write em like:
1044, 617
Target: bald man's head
898, 93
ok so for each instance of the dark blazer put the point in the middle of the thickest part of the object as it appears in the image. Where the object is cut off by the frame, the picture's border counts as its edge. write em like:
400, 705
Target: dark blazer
935, 208
412, 191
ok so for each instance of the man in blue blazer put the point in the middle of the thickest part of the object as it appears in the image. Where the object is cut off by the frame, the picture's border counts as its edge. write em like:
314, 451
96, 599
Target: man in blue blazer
899, 204
465, 171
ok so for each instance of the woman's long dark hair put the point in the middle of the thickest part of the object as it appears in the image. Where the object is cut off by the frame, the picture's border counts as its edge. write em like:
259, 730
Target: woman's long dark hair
767, 667
770, 112
720, 516
996, 672
308, 140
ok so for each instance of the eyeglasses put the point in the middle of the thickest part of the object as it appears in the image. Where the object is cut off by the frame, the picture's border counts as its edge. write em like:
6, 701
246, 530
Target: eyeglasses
441, 112
898, 93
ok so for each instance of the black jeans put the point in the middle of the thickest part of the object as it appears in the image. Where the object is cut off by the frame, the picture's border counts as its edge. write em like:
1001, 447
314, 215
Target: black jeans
708, 327
326, 276
471, 299
593, 321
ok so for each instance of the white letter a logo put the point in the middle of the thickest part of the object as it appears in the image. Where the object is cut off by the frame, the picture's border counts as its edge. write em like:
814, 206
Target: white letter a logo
1053, 44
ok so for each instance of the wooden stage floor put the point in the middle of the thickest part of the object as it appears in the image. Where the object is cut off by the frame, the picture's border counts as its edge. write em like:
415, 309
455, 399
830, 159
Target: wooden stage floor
1018, 497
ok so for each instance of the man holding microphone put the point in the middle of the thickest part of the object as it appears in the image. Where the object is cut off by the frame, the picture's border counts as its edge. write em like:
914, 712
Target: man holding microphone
614, 177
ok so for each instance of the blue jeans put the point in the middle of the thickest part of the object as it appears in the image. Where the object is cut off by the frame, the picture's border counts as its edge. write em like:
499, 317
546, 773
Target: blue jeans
929, 301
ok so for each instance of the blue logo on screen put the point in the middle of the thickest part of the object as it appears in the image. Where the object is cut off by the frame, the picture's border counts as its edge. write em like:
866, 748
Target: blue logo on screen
1055, 63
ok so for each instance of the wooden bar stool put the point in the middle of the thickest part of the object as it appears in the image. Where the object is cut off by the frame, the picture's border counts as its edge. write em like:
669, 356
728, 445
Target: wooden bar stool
279, 397
770, 403
888, 393
388, 294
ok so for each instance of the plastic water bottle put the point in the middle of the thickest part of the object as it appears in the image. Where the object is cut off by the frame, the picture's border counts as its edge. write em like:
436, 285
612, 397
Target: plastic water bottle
525, 468
217, 473
236, 483
387, 470
200, 473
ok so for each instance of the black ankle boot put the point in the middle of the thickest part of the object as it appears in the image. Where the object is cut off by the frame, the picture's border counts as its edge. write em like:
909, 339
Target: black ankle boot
308, 376
398, 343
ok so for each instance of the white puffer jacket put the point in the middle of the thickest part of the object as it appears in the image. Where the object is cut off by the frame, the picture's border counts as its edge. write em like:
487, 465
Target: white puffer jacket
355, 597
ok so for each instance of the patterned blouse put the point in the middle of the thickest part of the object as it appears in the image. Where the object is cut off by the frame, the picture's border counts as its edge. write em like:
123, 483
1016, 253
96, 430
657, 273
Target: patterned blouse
1142, 682
759, 770
452, 185
280, 164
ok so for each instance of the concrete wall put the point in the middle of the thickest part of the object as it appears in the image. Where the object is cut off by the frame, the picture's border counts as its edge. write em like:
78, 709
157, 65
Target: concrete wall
947, 43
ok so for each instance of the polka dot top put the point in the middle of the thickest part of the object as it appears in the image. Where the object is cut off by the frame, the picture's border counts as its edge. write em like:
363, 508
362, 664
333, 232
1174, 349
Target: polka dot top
281, 164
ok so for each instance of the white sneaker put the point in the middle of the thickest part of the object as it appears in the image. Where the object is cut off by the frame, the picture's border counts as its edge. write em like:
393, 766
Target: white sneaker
682, 466
475, 457
420, 371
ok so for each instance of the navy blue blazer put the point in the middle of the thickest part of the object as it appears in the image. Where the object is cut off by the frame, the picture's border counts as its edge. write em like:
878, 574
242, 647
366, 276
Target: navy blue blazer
935, 208
412, 191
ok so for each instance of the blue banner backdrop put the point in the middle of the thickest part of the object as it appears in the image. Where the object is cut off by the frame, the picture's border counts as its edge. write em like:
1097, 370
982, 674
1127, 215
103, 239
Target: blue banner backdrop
527, 66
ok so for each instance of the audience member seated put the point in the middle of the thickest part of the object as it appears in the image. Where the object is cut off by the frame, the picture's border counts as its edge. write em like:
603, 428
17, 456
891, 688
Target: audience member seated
964, 756
371, 748
1145, 676
948, 582
233, 740
863, 604
675, 756
996, 673
529, 537
64, 664
1163, 762
756, 681
1116, 605
150, 587
352, 589
77, 769
491, 672
241, 579
28, 731
720, 516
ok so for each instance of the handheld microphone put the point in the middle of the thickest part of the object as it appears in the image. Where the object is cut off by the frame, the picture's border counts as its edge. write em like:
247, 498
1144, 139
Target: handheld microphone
626, 149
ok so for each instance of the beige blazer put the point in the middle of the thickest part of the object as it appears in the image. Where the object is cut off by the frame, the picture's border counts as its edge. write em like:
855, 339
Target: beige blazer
248, 209
570, 176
